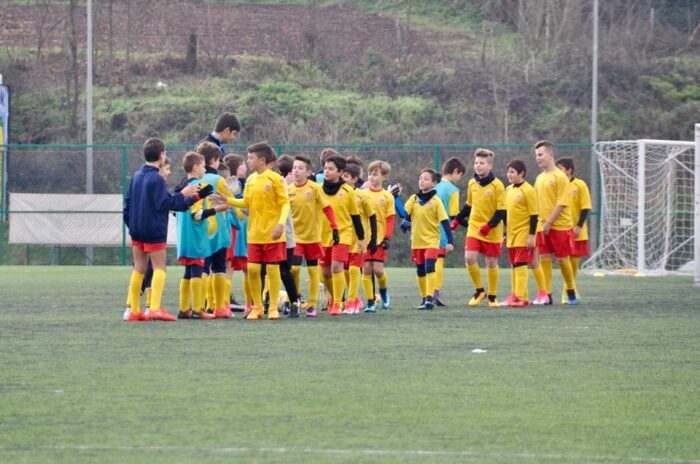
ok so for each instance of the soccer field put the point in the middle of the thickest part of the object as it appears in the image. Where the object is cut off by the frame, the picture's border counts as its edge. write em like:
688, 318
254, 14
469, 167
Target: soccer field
616, 379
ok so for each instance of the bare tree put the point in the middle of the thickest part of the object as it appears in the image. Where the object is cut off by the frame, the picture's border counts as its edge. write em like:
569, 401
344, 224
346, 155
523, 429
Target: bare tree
45, 22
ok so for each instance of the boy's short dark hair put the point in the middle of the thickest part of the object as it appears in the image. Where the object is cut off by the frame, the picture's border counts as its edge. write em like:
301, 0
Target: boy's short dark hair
518, 165
190, 160
209, 150
233, 161
327, 153
338, 160
353, 169
263, 150
227, 121
152, 149
547, 145
568, 163
453, 164
304, 160
433, 174
354, 159
285, 163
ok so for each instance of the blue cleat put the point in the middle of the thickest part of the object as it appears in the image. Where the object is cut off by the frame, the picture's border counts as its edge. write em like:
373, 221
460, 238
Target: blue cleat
371, 307
386, 298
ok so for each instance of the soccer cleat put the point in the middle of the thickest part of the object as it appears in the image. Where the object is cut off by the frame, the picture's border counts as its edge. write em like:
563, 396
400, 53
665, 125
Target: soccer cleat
479, 295
273, 314
311, 312
137, 317
349, 307
255, 314
428, 304
359, 305
386, 298
519, 302
422, 304
371, 307
541, 298
564, 297
127, 311
493, 302
550, 301
438, 301
203, 315
294, 310
184, 314
247, 310
571, 297
508, 301
334, 310
223, 313
162, 315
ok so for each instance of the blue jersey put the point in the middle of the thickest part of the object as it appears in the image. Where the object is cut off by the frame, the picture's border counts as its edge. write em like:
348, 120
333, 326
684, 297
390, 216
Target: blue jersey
222, 236
445, 189
192, 236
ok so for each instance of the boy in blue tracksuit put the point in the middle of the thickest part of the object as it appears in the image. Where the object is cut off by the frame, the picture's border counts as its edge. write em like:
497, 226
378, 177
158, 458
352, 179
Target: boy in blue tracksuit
146, 207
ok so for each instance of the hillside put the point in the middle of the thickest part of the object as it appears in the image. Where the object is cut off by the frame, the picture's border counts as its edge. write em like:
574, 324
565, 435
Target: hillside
438, 71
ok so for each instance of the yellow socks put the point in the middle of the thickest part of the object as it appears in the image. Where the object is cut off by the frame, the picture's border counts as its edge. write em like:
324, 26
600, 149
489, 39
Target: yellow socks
475, 274
367, 285
338, 283
247, 295
422, 286
254, 270
429, 284
184, 294
382, 280
567, 273
273, 272
197, 294
546, 265
229, 286
539, 278
157, 285
439, 266
520, 281
296, 273
354, 282
314, 283
219, 290
135, 291
492, 279
149, 292
574, 265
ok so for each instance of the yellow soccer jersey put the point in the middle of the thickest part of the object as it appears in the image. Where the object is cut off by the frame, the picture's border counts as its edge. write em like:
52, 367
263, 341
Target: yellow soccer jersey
485, 200
365, 208
306, 202
425, 221
521, 203
552, 190
382, 203
265, 196
580, 199
344, 206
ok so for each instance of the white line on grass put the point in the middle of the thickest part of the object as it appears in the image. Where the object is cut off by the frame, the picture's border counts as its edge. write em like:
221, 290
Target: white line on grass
353, 452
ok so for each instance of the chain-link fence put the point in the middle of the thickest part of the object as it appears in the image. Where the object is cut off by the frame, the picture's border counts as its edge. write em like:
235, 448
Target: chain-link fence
62, 225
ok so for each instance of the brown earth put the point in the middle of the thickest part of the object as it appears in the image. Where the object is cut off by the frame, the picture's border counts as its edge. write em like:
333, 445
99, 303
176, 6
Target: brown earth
285, 31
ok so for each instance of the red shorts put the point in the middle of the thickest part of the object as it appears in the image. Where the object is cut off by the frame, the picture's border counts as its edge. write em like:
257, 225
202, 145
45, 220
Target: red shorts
191, 261
309, 250
557, 242
521, 255
580, 248
379, 255
356, 259
419, 255
337, 252
239, 263
442, 253
485, 248
231, 249
267, 252
149, 247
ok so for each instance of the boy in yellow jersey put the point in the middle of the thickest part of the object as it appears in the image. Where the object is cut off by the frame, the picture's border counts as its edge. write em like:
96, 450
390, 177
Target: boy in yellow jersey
580, 208
485, 208
265, 196
306, 199
342, 199
146, 209
382, 203
427, 215
554, 207
521, 235
192, 232
218, 291
452, 171
356, 259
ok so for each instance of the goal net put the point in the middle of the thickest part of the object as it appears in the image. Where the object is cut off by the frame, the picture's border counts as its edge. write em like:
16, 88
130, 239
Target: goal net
647, 207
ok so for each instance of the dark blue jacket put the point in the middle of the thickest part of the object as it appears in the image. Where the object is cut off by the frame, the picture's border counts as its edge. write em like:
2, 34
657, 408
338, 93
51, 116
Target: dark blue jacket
147, 204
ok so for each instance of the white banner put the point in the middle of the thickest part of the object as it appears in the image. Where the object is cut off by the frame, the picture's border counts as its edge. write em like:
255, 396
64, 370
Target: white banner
69, 219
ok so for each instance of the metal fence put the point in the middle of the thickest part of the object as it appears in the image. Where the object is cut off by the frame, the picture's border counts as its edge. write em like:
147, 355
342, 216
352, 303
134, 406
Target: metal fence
63, 169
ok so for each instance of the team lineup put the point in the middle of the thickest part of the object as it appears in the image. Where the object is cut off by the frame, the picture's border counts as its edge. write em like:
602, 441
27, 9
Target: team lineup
266, 225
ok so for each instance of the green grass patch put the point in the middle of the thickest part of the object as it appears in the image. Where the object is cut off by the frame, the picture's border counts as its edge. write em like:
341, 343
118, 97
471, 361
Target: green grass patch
612, 380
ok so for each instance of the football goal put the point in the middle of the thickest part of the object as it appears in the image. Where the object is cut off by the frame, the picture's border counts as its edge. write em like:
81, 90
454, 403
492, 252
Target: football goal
649, 207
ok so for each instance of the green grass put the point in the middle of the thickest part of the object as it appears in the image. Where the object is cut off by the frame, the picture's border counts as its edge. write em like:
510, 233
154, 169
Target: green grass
613, 380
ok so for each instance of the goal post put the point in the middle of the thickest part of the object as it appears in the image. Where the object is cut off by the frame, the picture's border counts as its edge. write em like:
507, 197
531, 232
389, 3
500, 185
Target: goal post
650, 207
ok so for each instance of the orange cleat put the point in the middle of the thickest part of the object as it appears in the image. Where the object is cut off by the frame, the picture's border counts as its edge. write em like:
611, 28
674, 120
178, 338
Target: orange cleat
223, 313
162, 315
519, 303
334, 310
255, 314
137, 317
